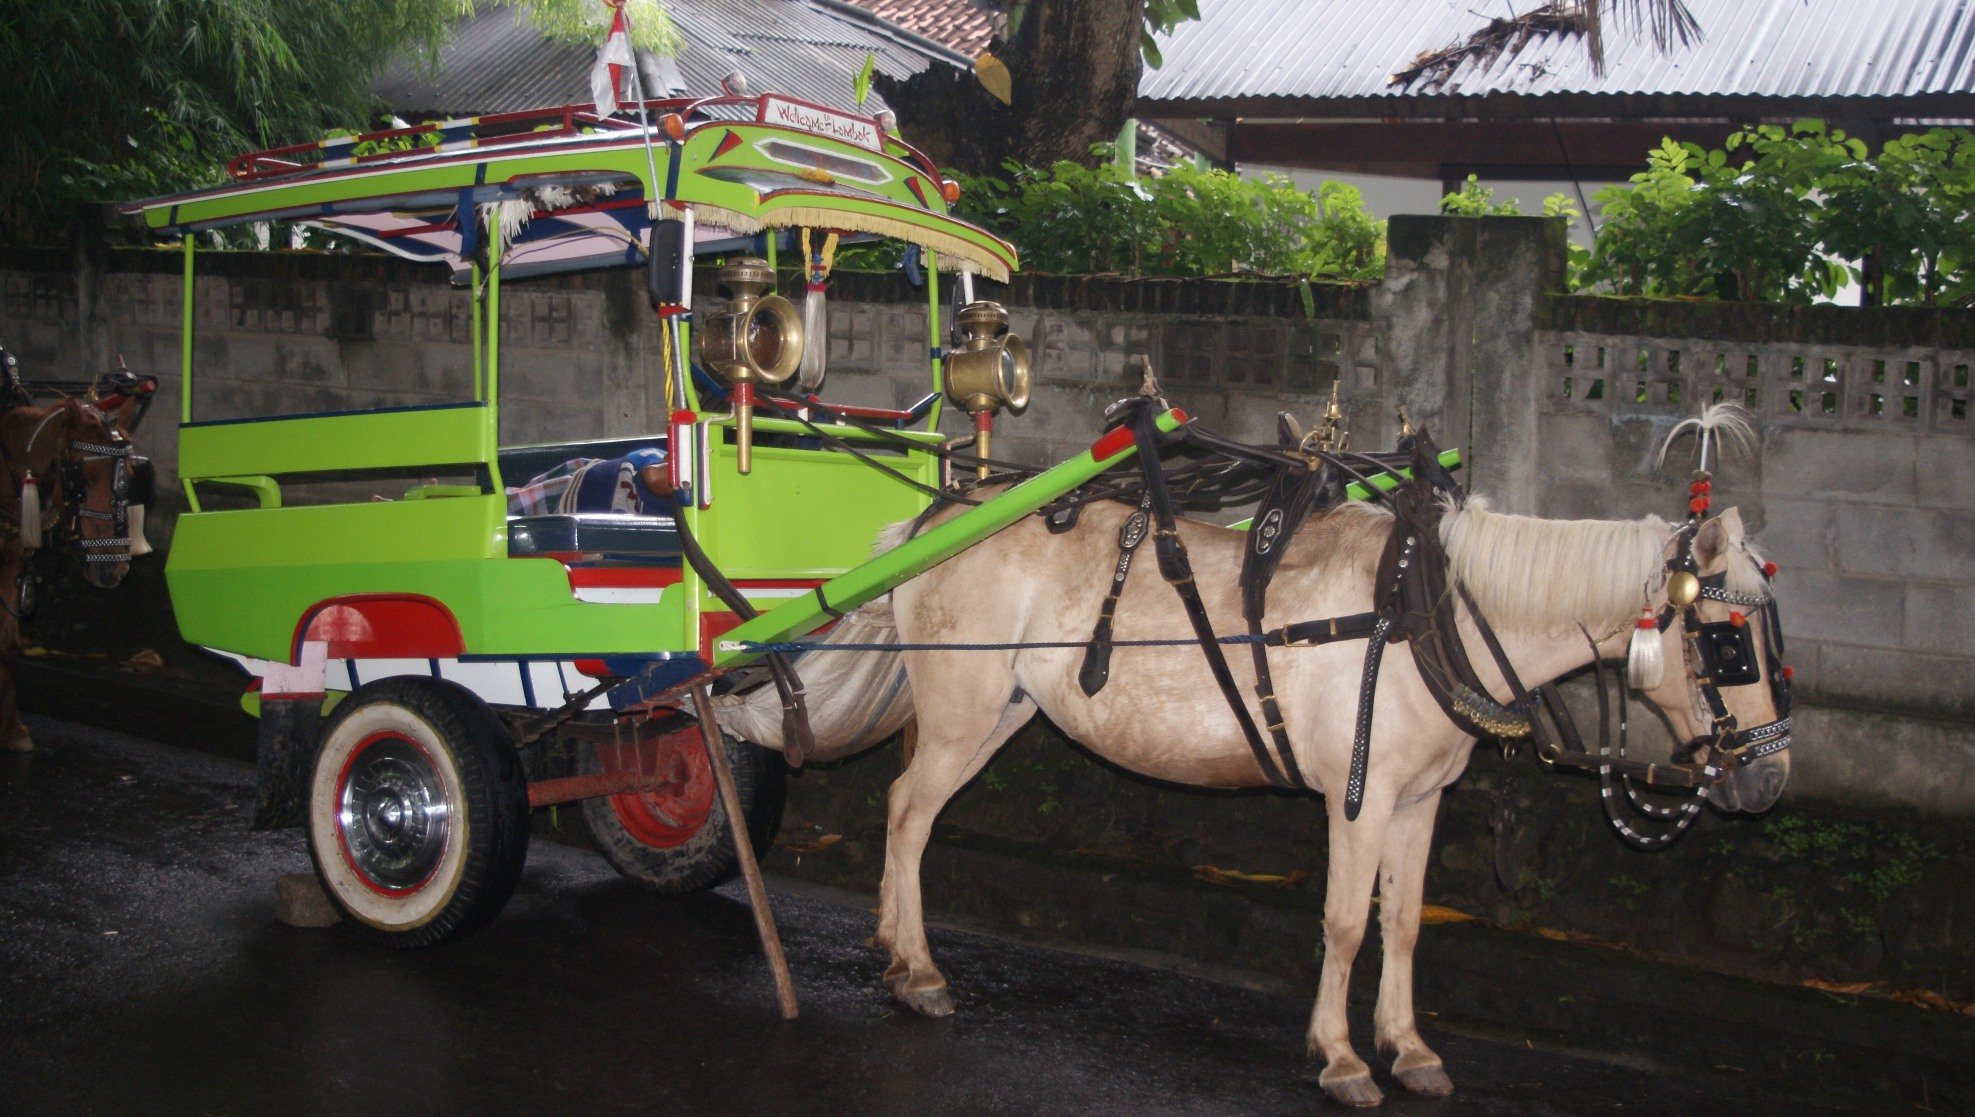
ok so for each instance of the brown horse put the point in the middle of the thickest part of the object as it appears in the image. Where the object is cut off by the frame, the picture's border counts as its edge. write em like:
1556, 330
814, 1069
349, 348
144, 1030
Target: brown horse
78, 457
1543, 585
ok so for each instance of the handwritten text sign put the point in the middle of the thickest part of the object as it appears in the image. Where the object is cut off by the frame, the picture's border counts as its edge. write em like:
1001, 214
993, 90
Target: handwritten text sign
820, 121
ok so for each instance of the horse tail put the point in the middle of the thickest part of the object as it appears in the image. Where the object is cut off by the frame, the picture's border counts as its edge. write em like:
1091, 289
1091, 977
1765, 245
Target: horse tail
857, 696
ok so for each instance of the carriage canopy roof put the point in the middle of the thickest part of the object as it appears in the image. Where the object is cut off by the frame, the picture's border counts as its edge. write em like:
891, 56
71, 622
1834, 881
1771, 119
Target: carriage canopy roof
570, 190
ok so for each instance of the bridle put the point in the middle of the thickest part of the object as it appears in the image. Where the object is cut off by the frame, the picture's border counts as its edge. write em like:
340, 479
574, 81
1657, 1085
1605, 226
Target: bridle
1716, 655
72, 478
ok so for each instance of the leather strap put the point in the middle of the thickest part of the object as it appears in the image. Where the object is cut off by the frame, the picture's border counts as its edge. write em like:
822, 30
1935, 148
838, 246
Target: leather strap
1178, 572
1097, 657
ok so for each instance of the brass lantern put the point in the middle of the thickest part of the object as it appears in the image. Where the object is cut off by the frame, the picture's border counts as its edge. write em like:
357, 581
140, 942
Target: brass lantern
754, 339
989, 371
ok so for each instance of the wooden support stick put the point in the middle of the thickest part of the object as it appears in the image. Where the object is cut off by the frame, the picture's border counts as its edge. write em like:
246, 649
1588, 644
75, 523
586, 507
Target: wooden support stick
757, 894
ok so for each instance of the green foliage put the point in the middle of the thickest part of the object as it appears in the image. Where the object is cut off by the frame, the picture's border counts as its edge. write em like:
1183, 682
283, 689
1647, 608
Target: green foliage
1792, 214
860, 82
110, 98
586, 21
1073, 219
1161, 16
1475, 200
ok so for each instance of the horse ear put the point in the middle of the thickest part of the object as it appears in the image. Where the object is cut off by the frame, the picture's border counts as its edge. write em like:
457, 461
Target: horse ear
1718, 537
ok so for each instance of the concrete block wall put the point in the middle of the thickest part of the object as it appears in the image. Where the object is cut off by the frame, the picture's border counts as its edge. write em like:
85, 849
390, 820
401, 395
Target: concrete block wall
1864, 487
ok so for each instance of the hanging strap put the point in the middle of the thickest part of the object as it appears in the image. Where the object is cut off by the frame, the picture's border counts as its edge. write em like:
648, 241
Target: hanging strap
1096, 668
797, 739
1178, 572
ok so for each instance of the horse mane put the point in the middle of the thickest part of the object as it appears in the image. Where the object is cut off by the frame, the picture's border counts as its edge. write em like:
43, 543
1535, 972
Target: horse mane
1552, 575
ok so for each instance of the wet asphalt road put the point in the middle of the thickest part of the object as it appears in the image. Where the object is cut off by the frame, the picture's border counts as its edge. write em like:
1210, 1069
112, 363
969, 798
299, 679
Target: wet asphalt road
141, 971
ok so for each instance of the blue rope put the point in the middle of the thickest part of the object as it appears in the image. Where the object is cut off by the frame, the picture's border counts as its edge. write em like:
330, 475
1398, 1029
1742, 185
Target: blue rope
753, 647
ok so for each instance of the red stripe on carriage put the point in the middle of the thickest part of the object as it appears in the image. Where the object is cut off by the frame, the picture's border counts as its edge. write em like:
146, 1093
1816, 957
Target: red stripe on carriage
382, 626
623, 577
594, 668
728, 142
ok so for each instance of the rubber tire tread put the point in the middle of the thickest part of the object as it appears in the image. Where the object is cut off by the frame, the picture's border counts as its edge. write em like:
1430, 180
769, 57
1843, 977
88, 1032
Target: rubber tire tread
707, 858
496, 803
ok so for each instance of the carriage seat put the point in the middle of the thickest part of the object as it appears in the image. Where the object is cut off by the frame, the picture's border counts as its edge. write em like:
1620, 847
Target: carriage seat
520, 463
609, 537
586, 536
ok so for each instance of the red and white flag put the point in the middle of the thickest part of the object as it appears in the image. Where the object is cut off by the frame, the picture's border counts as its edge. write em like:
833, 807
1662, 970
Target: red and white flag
607, 76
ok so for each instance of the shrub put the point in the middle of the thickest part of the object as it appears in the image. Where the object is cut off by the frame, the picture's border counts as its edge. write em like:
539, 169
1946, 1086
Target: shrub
1073, 219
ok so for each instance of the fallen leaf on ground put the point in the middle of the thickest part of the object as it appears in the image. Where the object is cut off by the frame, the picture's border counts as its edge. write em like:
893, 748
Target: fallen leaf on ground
1853, 988
35, 651
1215, 875
147, 661
1434, 913
1927, 998
817, 846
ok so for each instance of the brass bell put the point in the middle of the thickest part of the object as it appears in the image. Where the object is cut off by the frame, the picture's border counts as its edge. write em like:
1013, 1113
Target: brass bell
1682, 589
754, 339
990, 371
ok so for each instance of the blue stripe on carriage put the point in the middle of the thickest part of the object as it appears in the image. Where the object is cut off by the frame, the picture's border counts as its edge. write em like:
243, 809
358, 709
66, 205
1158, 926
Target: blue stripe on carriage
354, 681
434, 665
330, 414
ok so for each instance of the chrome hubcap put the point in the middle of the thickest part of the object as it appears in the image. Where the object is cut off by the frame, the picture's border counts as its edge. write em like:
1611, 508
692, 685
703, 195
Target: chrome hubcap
393, 815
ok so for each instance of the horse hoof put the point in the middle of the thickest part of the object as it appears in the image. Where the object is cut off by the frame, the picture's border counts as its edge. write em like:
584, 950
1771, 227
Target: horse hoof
1430, 1081
1358, 1091
927, 1002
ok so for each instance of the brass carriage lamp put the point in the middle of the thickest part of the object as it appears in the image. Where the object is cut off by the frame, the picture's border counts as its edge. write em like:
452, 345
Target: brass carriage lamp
755, 339
990, 370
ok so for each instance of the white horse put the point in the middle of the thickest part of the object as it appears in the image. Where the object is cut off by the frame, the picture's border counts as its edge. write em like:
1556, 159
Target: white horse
1536, 581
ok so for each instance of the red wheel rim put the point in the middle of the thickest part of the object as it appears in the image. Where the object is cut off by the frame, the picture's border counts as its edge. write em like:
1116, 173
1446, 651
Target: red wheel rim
672, 814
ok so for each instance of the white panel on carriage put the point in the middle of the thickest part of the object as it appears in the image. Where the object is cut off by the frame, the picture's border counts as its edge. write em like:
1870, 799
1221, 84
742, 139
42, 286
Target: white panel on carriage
495, 681
620, 595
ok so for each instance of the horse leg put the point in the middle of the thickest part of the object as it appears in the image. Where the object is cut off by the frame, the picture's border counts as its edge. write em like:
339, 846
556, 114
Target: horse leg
1354, 854
1402, 880
948, 755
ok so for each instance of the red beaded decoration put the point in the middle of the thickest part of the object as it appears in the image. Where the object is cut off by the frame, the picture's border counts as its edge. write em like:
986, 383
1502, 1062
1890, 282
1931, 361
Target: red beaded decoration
1789, 673
1698, 505
1647, 622
1737, 619
1769, 569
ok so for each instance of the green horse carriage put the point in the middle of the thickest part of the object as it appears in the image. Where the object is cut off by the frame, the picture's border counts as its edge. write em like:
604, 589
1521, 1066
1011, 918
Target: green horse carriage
407, 652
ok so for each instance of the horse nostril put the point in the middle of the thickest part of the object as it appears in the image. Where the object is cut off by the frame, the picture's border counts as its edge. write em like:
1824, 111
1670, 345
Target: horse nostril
1771, 785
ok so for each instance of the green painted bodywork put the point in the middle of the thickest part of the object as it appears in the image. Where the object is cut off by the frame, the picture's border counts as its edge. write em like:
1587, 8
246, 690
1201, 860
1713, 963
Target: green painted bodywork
244, 579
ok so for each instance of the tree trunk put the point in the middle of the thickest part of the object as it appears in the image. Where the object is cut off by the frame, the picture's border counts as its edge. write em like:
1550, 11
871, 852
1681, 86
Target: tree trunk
1075, 67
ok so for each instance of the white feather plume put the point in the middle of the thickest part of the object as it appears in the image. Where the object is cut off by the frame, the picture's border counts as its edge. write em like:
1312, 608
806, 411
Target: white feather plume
1725, 422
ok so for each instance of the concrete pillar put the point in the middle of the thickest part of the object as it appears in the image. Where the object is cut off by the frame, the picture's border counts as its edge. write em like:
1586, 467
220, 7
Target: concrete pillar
1457, 315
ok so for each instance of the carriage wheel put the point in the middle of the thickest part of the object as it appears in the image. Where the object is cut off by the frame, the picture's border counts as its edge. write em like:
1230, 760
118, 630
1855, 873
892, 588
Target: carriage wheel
417, 812
675, 838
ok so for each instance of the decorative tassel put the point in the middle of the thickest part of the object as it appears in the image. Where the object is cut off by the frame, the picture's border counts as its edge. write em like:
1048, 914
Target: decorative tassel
30, 513
134, 523
815, 313
1645, 661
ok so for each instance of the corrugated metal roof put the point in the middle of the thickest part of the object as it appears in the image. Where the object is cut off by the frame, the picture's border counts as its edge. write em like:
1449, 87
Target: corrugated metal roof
1345, 49
497, 62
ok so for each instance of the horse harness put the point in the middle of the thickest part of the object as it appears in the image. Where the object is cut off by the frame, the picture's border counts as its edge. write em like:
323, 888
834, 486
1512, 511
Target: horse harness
70, 478
1414, 603
73, 460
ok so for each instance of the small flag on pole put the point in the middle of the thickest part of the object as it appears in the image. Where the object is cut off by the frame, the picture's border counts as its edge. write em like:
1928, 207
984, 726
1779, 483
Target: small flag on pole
607, 76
